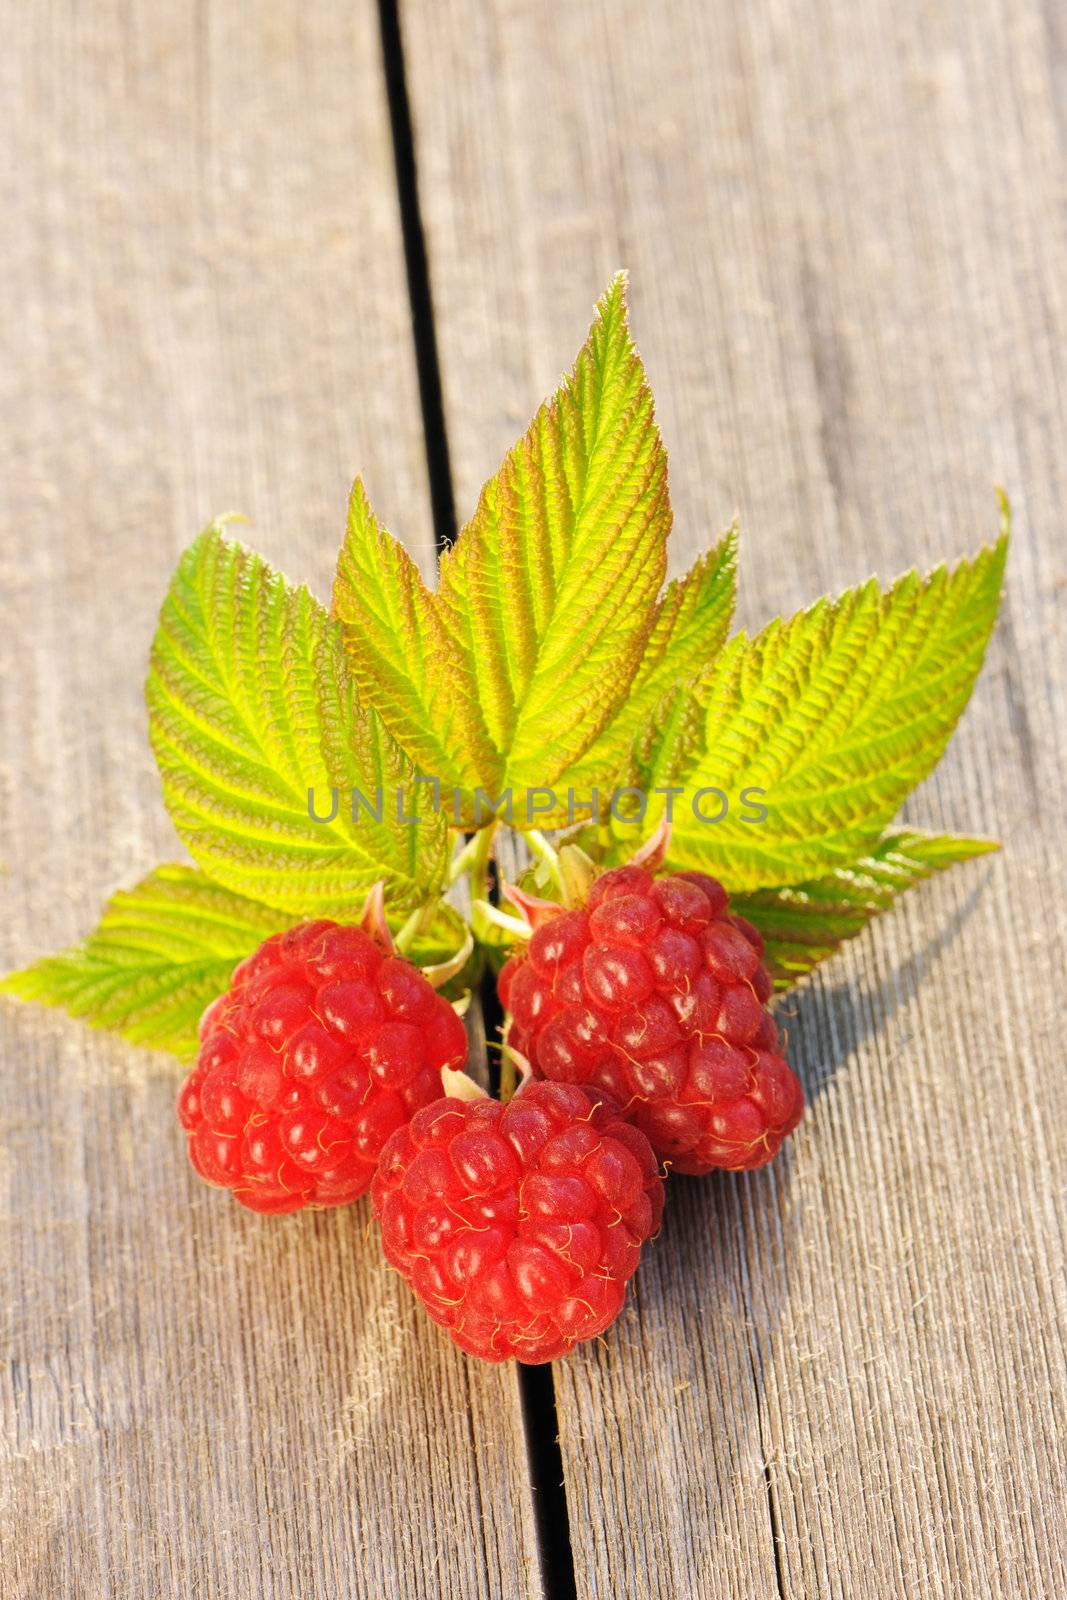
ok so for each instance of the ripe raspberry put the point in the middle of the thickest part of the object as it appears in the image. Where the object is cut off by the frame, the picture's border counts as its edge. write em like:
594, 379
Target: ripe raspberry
321, 1048
655, 994
518, 1225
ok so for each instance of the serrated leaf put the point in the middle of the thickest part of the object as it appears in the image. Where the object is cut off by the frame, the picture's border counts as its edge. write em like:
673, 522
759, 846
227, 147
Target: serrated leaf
830, 719
403, 659
690, 628
251, 706
162, 952
549, 590
805, 922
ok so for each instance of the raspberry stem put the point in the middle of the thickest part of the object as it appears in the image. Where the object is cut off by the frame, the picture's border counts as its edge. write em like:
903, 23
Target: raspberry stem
479, 861
548, 854
516, 926
463, 860
418, 922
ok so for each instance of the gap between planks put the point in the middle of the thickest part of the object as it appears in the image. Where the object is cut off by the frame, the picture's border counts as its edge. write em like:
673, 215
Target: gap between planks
536, 1384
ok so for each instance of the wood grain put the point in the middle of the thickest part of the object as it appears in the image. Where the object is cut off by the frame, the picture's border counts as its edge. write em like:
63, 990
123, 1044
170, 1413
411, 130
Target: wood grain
845, 227
203, 307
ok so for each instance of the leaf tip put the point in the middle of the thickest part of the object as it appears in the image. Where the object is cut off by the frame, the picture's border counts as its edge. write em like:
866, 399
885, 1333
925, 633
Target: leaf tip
984, 847
359, 501
616, 297
215, 531
730, 543
1004, 509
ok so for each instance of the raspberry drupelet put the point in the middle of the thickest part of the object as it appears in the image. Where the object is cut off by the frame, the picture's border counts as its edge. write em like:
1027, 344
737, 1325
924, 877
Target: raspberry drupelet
321, 1048
518, 1225
656, 995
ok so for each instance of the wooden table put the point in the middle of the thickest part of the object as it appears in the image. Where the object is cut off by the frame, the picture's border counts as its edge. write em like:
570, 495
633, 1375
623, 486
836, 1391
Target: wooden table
847, 234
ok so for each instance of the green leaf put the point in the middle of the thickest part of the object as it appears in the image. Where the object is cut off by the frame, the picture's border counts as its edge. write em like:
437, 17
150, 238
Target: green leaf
251, 706
548, 593
832, 718
690, 628
805, 922
403, 659
163, 951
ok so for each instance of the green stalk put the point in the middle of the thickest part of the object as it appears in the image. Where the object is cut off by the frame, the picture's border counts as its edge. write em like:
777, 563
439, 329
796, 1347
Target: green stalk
547, 853
462, 860
478, 864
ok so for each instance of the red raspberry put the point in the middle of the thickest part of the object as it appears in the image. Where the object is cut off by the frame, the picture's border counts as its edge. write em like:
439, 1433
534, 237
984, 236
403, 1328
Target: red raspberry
518, 1225
655, 994
321, 1048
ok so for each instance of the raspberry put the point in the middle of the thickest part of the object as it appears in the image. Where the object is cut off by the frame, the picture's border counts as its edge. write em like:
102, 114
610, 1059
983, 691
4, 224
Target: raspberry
321, 1048
518, 1225
655, 995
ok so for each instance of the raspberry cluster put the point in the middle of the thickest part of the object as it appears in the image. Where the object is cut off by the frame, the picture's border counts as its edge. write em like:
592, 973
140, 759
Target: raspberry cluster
643, 1018
656, 996
321, 1048
518, 1225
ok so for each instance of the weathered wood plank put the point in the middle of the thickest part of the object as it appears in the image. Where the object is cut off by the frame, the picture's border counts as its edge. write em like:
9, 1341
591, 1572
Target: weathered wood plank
847, 241
203, 306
